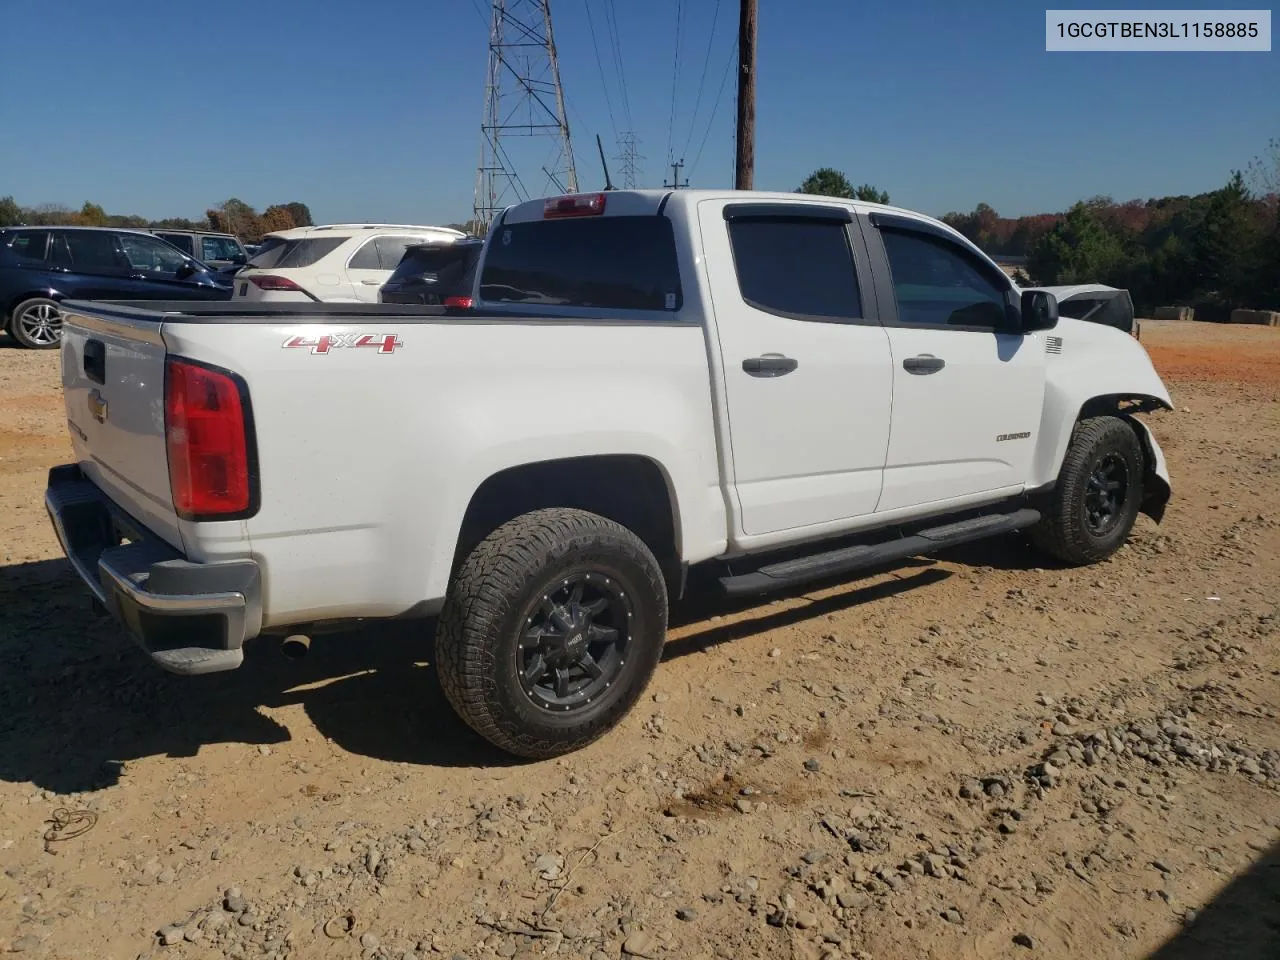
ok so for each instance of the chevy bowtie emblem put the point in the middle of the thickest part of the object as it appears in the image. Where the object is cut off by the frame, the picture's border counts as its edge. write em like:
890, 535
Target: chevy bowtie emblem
97, 406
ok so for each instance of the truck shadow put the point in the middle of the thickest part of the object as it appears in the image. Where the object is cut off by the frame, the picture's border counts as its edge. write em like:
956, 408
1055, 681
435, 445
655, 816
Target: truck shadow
78, 700
1241, 923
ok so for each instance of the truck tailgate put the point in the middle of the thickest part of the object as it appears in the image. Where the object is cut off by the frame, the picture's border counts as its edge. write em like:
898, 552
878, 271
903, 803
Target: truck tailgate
113, 380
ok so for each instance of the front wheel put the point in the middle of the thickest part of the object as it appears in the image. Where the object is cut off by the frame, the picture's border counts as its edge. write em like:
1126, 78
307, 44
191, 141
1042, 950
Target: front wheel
37, 323
1091, 511
551, 630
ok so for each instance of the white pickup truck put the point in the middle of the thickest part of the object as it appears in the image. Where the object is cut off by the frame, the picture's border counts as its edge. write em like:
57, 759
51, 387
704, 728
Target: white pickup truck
782, 388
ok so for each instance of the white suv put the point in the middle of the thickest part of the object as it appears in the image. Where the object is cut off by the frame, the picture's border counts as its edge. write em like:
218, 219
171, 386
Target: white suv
343, 262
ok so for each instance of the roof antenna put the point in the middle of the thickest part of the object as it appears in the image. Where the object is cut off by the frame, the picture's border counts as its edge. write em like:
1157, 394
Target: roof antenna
608, 184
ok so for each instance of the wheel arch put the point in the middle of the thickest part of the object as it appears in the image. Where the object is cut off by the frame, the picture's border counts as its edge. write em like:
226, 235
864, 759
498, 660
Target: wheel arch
630, 489
1058, 424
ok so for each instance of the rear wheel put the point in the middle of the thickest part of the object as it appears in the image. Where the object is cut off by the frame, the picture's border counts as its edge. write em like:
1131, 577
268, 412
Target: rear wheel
1091, 511
552, 629
37, 323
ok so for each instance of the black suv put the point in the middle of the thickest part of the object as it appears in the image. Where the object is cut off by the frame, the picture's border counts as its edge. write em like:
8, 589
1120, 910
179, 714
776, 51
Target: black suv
42, 266
434, 274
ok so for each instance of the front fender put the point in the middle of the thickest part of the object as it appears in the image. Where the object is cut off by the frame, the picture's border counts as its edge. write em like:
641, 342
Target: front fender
1097, 368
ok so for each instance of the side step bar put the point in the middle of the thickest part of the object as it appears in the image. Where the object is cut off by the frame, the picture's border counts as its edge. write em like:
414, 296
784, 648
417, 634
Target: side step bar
819, 566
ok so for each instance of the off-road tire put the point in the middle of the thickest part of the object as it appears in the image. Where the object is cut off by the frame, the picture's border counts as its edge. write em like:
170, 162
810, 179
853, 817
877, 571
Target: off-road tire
500, 584
24, 339
1063, 531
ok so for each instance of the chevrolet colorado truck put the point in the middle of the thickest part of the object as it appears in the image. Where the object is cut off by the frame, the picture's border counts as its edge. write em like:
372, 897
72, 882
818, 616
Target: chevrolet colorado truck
776, 389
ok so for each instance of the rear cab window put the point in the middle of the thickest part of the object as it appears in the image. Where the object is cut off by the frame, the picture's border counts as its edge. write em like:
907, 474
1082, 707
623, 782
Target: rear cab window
598, 263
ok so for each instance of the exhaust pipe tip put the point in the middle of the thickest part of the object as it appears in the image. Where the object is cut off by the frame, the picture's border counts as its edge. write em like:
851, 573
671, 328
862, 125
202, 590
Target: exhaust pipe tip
295, 647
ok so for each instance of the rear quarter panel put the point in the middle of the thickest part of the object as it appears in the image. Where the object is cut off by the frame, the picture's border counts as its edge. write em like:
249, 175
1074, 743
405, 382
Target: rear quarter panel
368, 459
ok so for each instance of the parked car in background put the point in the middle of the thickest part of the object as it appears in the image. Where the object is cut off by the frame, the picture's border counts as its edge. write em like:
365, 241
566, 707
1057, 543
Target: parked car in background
42, 266
339, 262
435, 274
222, 251
1095, 302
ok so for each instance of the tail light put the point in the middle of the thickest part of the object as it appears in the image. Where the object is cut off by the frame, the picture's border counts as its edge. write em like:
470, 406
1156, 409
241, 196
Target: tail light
268, 282
574, 205
212, 468
464, 302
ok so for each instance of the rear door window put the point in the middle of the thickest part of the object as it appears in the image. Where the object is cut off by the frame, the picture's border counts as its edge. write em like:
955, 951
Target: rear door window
798, 268
612, 263
88, 251
29, 246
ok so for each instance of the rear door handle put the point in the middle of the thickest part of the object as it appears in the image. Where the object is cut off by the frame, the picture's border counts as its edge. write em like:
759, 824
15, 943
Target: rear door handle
372, 283
923, 364
770, 365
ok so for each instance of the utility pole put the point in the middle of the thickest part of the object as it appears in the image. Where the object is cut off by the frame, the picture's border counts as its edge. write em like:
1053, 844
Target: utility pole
676, 167
744, 167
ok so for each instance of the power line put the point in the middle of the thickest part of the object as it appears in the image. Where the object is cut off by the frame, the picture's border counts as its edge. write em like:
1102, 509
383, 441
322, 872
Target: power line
733, 55
675, 78
706, 62
600, 67
611, 21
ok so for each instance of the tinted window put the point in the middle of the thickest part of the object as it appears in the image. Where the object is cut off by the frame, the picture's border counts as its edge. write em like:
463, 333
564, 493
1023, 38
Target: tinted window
366, 257
219, 248
29, 245
183, 241
938, 283
391, 249
447, 269
295, 253
87, 251
620, 263
797, 268
151, 254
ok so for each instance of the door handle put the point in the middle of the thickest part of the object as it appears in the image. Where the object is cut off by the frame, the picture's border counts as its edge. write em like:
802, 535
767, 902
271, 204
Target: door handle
94, 361
372, 283
923, 364
770, 365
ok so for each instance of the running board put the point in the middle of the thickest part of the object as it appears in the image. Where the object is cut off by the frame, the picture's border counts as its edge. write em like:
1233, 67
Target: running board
819, 566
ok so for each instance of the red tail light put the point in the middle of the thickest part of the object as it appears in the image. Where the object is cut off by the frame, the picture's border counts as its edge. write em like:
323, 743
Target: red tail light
575, 205
211, 465
268, 282
464, 302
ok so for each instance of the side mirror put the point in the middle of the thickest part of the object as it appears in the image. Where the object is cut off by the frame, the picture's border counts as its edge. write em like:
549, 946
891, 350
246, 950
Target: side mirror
1039, 310
186, 270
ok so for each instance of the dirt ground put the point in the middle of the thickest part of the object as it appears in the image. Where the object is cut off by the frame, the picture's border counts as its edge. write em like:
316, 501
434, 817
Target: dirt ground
975, 756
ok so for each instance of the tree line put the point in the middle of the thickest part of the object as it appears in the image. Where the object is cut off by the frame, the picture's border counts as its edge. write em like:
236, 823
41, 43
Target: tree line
1213, 251
232, 216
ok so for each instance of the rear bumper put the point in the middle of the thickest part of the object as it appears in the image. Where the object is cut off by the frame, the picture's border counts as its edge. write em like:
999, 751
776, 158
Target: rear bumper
190, 618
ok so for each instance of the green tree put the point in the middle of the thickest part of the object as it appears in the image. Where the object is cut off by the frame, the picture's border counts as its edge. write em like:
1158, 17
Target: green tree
1227, 241
92, 215
870, 194
830, 182
1079, 249
299, 214
10, 212
827, 182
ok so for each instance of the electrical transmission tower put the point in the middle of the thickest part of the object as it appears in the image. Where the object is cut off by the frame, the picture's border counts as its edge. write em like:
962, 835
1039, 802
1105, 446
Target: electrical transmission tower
629, 168
524, 137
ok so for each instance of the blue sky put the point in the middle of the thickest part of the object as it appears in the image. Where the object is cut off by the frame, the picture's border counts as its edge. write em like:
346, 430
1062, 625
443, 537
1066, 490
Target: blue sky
371, 111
